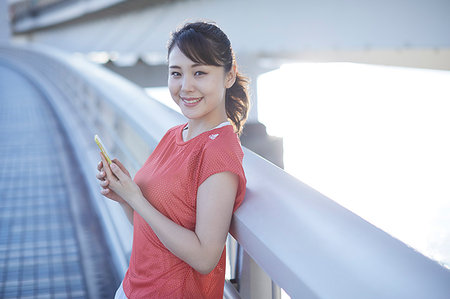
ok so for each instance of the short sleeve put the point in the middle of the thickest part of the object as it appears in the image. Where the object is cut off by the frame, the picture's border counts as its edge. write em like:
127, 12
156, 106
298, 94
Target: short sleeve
224, 157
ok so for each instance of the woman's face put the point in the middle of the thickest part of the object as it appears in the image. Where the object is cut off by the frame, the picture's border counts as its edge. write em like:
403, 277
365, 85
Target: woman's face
198, 89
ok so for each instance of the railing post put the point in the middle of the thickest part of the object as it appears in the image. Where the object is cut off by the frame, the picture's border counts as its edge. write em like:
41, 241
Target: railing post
254, 283
276, 291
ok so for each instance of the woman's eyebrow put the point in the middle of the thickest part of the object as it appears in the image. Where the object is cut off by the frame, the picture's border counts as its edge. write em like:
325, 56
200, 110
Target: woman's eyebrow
178, 67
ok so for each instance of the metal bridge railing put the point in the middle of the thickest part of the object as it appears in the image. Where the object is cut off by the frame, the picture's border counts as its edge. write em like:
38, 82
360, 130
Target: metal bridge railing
288, 234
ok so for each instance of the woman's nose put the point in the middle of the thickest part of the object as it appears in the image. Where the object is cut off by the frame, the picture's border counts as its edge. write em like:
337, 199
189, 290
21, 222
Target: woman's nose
187, 84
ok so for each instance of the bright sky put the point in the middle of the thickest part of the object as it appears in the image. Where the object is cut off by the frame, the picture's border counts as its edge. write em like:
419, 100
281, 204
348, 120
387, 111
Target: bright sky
375, 139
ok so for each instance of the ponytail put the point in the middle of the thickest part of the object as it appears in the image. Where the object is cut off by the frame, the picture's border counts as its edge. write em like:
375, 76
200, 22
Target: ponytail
237, 102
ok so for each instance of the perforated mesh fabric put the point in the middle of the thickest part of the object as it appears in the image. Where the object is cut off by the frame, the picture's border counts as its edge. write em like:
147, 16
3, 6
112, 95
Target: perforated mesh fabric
169, 180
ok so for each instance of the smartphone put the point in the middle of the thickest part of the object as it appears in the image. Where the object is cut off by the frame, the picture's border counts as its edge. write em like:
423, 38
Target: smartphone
102, 148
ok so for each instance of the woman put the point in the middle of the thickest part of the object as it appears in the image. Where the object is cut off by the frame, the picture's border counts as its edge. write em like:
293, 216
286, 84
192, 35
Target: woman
182, 199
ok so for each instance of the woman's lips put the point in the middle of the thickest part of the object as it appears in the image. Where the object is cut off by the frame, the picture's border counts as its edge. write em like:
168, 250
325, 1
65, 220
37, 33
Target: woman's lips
191, 101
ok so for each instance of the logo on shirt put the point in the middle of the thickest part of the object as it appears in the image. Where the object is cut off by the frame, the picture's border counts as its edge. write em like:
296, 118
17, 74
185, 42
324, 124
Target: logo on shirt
213, 136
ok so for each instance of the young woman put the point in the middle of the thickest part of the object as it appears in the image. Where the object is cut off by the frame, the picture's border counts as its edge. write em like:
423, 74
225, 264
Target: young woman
182, 199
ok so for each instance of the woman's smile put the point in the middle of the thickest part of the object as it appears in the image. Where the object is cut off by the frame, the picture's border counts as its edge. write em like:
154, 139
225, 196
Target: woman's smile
190, 101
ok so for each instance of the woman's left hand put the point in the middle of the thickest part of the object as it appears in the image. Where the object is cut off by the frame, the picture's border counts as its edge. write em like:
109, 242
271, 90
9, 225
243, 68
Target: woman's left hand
121, 183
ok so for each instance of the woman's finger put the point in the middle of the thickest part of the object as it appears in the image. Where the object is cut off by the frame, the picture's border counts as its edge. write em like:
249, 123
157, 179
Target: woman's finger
106, 169
99, 165
104, 183
100, 175
116, 161
117, 171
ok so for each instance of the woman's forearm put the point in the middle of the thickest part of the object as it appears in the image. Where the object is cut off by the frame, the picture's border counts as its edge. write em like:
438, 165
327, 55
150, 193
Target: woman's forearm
128, 210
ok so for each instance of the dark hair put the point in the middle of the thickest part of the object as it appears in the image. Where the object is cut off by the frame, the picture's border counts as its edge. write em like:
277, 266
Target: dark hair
206, 43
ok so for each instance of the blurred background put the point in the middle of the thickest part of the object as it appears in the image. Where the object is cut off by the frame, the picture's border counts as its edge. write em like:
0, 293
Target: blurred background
350, 97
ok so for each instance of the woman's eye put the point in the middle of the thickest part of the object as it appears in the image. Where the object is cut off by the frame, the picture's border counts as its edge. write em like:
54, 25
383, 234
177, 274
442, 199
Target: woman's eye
175, 74
199, 73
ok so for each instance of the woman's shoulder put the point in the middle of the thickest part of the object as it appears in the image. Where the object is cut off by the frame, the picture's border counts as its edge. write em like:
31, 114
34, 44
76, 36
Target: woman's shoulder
223, 139
172, 132
222, 135
175, 129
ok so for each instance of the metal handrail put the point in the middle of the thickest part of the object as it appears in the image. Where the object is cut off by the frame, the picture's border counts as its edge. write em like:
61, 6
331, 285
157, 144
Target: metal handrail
305, 242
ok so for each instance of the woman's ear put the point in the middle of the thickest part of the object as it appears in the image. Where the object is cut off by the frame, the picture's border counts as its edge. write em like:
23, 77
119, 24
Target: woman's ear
230, 77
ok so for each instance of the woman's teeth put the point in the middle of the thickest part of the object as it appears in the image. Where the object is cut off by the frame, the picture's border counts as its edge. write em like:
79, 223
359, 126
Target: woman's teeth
191, 100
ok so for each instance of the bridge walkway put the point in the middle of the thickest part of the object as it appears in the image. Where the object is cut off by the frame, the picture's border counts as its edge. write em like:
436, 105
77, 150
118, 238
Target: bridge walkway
51, 245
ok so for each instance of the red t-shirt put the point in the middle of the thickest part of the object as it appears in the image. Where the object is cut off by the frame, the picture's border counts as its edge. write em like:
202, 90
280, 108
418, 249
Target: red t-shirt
169, 180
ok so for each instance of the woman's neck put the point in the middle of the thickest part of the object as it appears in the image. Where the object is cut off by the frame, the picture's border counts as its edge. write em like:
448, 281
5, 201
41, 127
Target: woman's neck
194, 128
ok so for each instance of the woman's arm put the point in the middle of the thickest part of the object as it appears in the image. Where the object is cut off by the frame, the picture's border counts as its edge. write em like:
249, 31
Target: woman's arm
201, 248
129, 212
